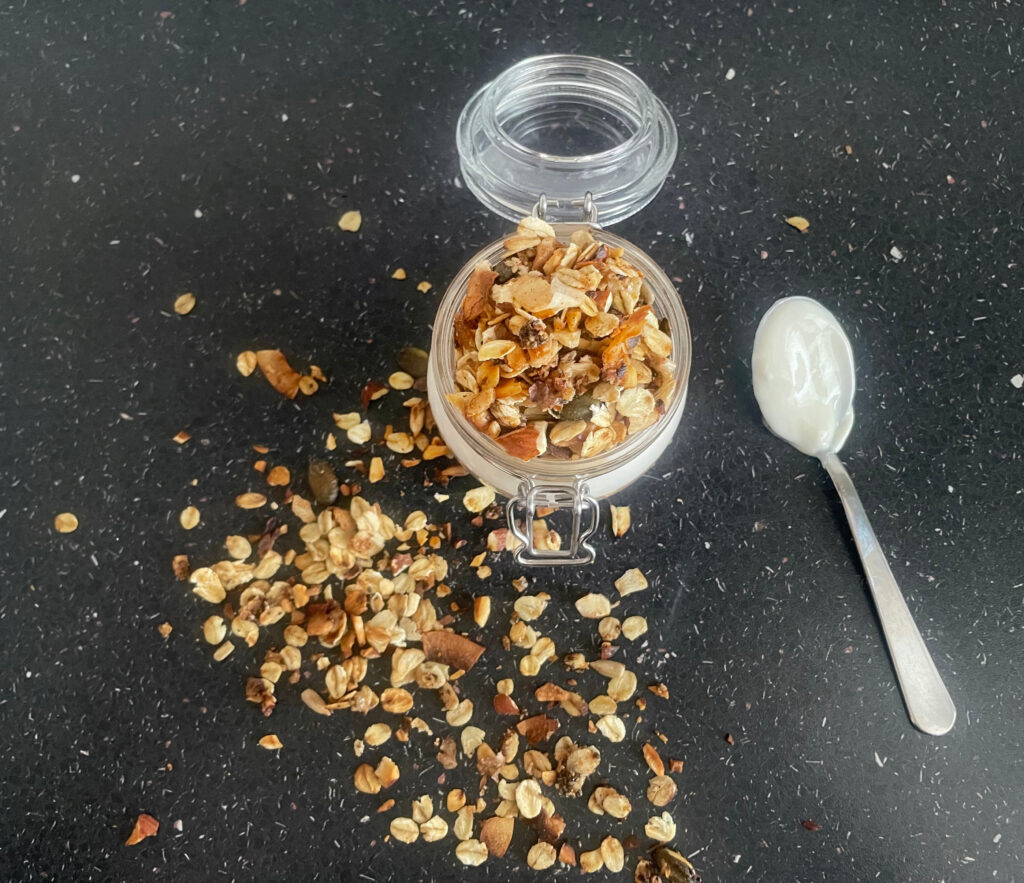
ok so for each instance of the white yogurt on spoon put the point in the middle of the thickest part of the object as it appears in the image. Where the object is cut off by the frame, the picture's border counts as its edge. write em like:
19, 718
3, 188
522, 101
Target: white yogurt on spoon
803, 375
804, 382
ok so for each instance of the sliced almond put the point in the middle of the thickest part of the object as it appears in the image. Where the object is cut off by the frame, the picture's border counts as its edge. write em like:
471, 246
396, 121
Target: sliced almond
451, 649
271, 742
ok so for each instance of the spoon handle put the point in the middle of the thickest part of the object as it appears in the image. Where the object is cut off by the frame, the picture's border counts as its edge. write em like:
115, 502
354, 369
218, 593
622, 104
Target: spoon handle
928, 702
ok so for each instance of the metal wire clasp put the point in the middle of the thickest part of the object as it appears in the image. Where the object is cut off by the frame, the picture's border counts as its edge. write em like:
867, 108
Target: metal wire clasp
587, 207
521, 511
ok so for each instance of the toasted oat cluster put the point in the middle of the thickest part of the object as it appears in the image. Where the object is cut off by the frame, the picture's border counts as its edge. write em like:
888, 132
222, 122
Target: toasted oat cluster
556, 353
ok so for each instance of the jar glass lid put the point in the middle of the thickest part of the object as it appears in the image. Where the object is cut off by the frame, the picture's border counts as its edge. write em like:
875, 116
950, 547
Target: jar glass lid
560, 127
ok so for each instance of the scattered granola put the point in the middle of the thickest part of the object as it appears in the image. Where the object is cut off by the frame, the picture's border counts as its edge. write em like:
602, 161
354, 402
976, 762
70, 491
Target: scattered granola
556, 353
354, 598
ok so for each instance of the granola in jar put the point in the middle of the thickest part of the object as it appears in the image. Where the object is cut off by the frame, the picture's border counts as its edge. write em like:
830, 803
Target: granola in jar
558, 354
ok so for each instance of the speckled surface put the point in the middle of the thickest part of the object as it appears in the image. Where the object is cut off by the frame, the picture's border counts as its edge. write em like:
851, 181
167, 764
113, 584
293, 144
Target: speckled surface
211, 148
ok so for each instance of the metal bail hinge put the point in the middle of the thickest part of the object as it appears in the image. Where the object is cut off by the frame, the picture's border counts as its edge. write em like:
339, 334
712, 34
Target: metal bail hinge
521, 511
587, 206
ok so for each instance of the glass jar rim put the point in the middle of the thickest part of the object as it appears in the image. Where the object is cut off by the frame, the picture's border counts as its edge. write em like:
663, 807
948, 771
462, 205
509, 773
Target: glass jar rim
540, 92
667, 302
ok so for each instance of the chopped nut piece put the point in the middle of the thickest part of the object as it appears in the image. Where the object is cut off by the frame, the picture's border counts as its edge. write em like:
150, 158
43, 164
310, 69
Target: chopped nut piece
451, 649
481, 610
350, 221
504, 704
537, 728
184, 303
801, 224
387, 772
620, 520
446, 754
189, 518
654, 761
271, 742
223, 651
278, 372
165, 629
567, 855
181, 437
424, 287
496, 834
541, 856
180, 566
398, 274
471, 852
376, 470
145, 826
386, 805
631, 581
594, 606
661, 790
659, 690
404, 830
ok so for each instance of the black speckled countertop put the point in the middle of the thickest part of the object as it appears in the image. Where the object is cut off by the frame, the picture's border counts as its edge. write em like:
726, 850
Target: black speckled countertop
211, 148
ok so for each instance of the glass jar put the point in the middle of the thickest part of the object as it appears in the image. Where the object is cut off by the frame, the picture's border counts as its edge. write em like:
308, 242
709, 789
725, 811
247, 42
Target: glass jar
562, 137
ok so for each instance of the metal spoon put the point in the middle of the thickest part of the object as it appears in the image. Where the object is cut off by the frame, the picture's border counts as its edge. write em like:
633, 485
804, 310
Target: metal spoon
804, 382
